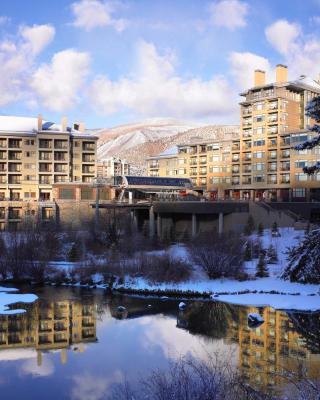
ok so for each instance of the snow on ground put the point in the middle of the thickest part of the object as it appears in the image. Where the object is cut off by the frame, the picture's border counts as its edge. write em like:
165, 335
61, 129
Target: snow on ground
7, 298
277, 301
291, 295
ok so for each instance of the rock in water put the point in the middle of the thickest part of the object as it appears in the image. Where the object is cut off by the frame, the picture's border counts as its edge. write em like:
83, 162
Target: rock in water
121, 309
182, 306
255, 320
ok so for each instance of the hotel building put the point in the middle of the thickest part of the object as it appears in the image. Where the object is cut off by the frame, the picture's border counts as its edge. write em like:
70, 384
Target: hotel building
111, 167
206, 163
35, 154
260, 162
272, 121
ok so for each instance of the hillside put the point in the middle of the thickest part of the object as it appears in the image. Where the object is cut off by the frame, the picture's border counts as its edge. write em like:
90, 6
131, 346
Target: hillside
136, 142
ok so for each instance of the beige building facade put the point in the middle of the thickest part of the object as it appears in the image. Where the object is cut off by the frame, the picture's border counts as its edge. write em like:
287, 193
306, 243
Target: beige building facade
35, 154
111, 167
272, 121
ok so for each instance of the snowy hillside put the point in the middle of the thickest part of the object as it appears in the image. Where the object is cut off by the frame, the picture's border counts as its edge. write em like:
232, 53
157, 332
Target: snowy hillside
136, 142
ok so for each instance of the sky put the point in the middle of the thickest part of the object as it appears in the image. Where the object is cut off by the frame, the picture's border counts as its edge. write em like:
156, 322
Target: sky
108, 63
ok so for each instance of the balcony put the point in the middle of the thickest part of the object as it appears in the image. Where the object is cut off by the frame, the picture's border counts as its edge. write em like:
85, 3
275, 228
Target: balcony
45, 180
61, 144
88, 158
154, 166
235, 157
45, 144
14, 179
3, 167
15, 156
60, 156
273, 106
272, 156
43, 156
246, 111
247, 157
235, 181
88, 146
14, 213
285, 180
45, 167
246, 181
235, 170
247, 169
272, 131
15, 144
14, 167
285, 154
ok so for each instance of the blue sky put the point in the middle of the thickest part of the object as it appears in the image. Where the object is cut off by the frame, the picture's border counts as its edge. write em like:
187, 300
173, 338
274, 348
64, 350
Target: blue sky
113, 62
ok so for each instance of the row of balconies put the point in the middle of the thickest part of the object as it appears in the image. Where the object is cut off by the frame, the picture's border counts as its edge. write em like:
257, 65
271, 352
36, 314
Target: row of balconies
44, 144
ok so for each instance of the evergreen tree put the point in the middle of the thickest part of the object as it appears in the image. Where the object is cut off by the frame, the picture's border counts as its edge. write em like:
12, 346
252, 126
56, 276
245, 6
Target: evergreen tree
260, 229
248, 251
312, 111
272, 256
75, 252
274, 230
250, 226
304, 260
261, 269
256, 248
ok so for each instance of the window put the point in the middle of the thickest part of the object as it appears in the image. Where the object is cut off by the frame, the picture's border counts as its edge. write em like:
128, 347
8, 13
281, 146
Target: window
259, 130
298, 192
258, 154
259, 142
301, 177
300, 163
66, 194
30, 154
259, 118
86, 194
214, 169
258, 166
29, 142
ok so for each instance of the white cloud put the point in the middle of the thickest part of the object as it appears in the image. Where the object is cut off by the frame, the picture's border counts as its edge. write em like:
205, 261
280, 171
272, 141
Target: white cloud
154, 89
229, 14
299, 51
282, 35
90, 14
37, 37
243, 66
58, 83
92, 387
17, 57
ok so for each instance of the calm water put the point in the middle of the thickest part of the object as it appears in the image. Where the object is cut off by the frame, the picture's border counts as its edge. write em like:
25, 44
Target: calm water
72, 344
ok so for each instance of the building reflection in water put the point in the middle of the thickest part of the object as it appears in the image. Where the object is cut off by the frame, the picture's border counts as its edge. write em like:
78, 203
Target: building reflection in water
285, 342
47, 326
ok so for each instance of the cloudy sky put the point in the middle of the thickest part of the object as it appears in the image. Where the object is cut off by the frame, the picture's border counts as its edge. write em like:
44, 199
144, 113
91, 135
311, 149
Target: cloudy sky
112, 62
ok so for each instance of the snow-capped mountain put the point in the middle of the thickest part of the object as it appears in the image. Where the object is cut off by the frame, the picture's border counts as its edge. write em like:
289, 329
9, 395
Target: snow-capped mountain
136, 142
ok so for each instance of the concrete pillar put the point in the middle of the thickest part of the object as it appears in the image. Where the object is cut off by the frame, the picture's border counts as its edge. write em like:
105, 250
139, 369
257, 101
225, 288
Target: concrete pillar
63, 356
130, 197
151, 222
194, 225
159, 226
39, 358
220, 223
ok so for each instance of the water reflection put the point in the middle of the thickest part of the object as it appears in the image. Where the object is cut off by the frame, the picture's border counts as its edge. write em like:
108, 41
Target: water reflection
285, 342
50, 325
45, 340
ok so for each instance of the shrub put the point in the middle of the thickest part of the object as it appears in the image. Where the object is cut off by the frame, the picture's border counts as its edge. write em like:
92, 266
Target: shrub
220, 256
261, 269
272, 256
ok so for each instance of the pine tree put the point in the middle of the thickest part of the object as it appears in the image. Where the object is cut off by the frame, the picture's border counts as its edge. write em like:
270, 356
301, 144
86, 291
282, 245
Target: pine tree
248, 251
312, 111
274, 230
250, 226
272, 256
75, 252
260, 229
256, 248
261, 269
304, 260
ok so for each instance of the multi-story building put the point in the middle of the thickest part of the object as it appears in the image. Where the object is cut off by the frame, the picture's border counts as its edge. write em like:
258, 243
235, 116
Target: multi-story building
111, 167
273, 120
206, 163
35, 154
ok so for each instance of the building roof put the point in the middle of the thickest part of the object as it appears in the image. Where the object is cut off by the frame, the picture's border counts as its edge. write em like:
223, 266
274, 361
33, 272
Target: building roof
303, 83
29, 125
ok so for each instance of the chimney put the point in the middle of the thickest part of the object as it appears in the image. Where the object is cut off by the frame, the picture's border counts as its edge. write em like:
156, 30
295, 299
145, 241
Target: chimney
64, 122
259, 77
39, 122
281, 73
82, 127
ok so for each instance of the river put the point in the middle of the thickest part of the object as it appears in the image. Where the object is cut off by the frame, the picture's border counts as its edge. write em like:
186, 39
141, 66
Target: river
74, 344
